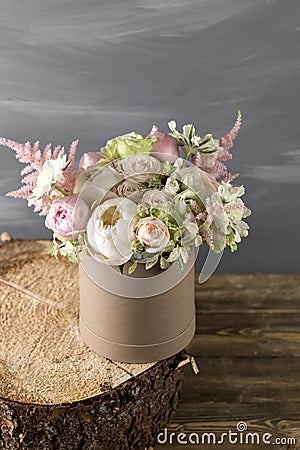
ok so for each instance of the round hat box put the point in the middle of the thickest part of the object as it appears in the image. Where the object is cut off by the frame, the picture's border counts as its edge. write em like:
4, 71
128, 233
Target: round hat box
143, 317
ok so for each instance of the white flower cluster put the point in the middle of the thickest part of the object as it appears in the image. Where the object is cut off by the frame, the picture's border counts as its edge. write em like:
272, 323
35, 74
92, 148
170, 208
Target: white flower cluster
159, 212
137, 199
51, 174
236, 211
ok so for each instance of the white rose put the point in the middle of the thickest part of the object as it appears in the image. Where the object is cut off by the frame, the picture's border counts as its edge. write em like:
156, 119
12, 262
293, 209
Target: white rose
152, 233
110, 230
156, 197
128, 187
141, 167
172, 186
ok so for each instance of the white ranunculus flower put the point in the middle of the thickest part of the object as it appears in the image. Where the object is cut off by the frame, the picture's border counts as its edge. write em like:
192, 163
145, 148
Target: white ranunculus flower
52, 173
141, 167
236, 210
95, 183
219, 221
110, 230
155, 197
152, 233
216, 213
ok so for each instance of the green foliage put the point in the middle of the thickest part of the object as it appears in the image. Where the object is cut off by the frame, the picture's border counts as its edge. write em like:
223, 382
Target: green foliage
151, 262
155, 183
132, 267
71, 248
191, 142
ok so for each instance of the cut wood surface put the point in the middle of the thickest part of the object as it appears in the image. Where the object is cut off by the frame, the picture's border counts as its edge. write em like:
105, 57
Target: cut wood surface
55, 393
247, 347
43, 359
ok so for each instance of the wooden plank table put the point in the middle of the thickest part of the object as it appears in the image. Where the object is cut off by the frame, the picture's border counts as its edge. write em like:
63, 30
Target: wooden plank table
247, 347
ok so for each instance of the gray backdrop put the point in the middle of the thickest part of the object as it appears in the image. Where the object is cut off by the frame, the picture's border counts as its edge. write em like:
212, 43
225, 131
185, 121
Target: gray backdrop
95, 69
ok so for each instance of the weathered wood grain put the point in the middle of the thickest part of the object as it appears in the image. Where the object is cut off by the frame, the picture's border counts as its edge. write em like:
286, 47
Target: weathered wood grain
247, 347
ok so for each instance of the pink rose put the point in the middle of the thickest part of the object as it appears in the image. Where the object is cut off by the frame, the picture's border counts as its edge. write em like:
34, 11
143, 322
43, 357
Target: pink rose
89, 160
68, 217
152, 233
165, 148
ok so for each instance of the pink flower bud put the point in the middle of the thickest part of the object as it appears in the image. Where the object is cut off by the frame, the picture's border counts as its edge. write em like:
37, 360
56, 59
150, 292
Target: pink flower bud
68, 217
89, 160
165, 148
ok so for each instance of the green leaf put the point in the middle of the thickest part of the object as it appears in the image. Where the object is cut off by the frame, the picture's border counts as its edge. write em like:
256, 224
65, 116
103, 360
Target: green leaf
132, 267
205, 140
208, 152
81, 240
184, 254
180, 264
192, 228
168, 169
174, 255
187, 180
59, 238
73, 258
170, 246
188, 240
143, 209
151, 262
155, 183
198, 240
177, 235
53, 252
164, 264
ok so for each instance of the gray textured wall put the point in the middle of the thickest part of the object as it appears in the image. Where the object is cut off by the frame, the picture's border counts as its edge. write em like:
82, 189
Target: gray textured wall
94, 69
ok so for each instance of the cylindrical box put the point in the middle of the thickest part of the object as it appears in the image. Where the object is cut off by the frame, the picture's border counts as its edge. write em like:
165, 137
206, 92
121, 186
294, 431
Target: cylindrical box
144, 317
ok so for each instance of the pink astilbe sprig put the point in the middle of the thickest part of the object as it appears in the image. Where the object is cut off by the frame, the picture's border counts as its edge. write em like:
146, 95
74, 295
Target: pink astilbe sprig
212, 163
227, 141
70, 173
34, 158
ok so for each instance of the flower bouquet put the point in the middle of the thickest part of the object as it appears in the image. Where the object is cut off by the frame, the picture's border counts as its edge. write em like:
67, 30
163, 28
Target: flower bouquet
132, 215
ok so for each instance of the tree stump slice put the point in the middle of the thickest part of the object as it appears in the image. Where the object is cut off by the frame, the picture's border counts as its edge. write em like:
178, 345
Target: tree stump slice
55, 393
